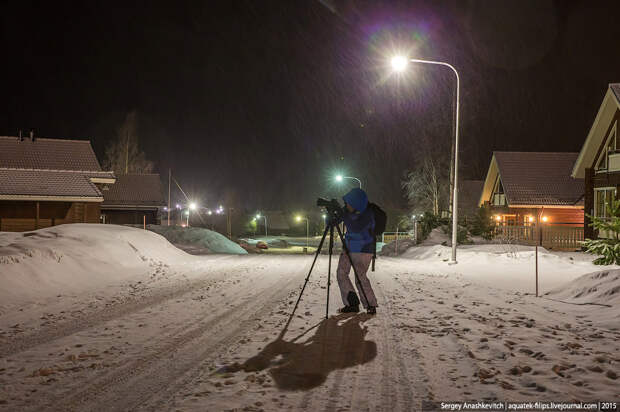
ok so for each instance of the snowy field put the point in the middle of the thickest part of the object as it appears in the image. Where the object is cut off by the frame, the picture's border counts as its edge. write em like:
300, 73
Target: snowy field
111, 318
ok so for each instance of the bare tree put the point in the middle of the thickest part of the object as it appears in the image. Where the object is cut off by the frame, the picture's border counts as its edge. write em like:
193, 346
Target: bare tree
425, 188
123, 155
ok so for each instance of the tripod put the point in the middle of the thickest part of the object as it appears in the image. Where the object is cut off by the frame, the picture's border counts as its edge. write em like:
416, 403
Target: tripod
330, 229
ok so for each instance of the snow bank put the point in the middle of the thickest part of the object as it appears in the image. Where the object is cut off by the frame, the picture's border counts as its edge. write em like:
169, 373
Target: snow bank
601, 287
69, 258
506, 266
437, 237
198, 240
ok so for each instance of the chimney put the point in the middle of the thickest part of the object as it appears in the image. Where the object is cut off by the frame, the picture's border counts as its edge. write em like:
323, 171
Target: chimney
20, 136
32, 134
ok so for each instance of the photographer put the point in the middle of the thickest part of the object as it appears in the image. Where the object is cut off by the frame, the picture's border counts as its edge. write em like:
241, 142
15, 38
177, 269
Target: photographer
359, 220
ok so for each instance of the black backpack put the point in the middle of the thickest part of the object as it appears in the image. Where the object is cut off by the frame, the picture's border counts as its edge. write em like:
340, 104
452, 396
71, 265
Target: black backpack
380, 222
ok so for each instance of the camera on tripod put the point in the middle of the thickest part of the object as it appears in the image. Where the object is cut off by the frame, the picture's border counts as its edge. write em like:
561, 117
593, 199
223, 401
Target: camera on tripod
332, 207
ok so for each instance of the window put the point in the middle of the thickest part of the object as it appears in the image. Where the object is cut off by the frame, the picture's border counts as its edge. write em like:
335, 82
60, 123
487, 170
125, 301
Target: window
610, 148
498, 198
602, 197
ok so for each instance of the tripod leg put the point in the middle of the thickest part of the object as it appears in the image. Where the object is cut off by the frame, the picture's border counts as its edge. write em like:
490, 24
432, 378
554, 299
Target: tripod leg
346, 251
329, 268
316, 255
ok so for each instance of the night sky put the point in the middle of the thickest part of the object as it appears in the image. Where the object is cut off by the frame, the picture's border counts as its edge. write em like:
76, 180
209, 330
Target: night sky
259, 103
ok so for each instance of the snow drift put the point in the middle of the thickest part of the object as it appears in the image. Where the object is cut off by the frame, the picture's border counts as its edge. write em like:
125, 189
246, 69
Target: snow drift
197, 240
601, 287
69, 258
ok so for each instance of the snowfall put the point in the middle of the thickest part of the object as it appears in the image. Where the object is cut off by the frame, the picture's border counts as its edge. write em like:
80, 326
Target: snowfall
104, 317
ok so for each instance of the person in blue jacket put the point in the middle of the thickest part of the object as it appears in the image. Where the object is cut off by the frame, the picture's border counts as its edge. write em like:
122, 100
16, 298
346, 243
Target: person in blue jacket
359, 220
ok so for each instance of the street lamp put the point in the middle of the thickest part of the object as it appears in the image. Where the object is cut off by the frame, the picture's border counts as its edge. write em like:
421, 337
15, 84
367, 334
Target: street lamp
299, 219
339, 178
324, 216
192, 206
399, 64
258, 216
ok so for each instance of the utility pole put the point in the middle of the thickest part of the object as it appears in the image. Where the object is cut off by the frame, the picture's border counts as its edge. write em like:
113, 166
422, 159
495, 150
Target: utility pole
169, 178
127, 155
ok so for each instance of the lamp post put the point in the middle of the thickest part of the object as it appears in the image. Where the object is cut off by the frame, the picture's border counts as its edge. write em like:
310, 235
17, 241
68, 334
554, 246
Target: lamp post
339, 178
258, 216
299, 219
399, 63
192, 206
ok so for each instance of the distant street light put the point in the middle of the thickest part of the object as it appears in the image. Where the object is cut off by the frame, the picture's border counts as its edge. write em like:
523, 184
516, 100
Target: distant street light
299, 219
399, 64
192, 206
258, 216
324, 216
339, 178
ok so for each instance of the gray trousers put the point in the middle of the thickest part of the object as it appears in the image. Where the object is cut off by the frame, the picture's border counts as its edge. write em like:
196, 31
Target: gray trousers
361, 262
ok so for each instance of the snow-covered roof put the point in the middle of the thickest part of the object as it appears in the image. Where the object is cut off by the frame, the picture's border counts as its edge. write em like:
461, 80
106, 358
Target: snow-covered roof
35, 184
49, 154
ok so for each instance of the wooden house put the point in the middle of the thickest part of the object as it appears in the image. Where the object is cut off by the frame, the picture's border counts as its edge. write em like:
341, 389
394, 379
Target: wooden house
46, 182
599, 160
522, 187
133, 199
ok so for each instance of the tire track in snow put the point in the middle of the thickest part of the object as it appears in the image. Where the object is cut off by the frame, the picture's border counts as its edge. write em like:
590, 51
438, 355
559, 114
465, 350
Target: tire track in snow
404, 384
132, 385
106, 314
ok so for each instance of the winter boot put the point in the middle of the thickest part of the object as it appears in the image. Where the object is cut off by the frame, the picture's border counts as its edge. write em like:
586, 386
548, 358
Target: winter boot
349, 309
354, 304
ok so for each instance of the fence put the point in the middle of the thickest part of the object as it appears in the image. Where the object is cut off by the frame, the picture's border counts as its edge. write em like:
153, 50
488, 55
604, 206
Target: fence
388, 237
552, 236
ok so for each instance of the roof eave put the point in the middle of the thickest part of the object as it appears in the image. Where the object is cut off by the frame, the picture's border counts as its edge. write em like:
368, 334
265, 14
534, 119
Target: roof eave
95, 199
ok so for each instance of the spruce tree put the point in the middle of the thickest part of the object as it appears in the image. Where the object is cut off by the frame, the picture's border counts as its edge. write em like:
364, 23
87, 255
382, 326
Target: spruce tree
607, 249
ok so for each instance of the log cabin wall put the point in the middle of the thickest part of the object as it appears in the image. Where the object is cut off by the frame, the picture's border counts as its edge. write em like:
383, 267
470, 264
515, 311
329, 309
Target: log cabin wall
21, 216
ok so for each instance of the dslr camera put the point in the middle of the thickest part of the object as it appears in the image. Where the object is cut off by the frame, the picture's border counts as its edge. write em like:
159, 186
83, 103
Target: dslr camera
332, 207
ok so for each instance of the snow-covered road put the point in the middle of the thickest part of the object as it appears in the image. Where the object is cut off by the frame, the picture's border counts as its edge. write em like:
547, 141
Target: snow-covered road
208, 337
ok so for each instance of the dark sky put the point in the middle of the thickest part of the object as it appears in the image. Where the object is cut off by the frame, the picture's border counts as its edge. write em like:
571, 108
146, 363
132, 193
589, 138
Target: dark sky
259, 103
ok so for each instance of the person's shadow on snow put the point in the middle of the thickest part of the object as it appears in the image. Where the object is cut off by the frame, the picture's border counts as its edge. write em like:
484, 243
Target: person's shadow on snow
337, 344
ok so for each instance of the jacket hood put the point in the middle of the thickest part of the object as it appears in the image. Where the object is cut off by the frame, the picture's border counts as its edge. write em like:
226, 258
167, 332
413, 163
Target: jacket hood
357, 198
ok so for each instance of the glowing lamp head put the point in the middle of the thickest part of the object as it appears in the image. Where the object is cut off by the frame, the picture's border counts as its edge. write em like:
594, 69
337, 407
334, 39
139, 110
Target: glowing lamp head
545, 218
324, 216
498, 218
209, 212
192, 206
258, 216
399, 63
530, 219
339, 178
298, 218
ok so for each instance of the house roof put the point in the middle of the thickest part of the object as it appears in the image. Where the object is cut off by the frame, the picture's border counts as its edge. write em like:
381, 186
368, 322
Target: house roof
36, 184
47, 154
535, 179
135, 190
594, 139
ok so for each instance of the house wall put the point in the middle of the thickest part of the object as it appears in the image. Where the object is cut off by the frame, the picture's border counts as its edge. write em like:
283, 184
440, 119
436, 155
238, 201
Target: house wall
518, 216
595, 180
21, 216
130, 217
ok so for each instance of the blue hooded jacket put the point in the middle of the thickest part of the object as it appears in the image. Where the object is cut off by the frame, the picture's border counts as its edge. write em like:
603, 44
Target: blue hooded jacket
359, 223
